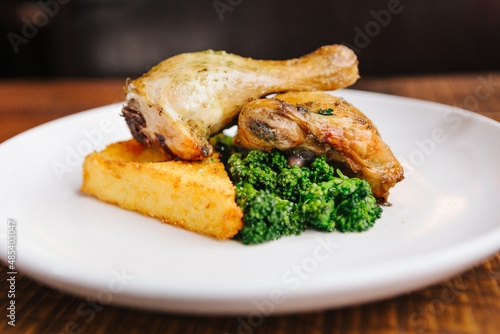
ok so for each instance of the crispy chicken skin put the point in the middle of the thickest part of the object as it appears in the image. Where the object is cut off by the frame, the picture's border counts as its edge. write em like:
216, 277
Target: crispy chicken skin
183, 100
302, 120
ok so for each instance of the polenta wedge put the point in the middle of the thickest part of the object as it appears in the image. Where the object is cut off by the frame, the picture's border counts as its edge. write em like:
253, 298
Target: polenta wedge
197, 196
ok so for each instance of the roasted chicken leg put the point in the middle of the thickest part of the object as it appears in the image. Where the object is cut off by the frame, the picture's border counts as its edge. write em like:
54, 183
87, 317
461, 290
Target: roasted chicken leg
326, 125
183, 100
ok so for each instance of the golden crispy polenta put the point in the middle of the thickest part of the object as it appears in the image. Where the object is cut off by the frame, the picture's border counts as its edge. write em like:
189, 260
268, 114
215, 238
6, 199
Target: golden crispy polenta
195, 195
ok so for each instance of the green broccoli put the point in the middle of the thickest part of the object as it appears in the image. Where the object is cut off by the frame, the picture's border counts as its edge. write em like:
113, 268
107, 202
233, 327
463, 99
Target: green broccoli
357, 209
267, 216
321, 171
292, 182
341, 204
255, 169
278, 200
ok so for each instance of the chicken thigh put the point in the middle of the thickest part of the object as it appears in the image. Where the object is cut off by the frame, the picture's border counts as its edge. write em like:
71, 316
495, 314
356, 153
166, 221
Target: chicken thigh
325, 125
183, 100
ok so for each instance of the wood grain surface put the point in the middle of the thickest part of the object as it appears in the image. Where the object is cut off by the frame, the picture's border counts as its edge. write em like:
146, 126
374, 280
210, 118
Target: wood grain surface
467, 303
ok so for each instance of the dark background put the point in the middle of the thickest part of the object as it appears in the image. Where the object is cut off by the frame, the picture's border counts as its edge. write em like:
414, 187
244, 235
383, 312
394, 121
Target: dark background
118, 38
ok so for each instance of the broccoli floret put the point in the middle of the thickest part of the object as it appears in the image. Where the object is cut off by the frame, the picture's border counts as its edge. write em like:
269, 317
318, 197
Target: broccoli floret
317, 208
321, 171
250, 169
258, 168
278, 161
279, 200
267, 216
292, 182
357, 209
354, 207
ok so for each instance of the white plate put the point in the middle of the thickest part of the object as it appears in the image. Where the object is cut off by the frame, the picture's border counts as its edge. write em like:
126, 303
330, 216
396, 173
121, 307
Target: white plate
444, 219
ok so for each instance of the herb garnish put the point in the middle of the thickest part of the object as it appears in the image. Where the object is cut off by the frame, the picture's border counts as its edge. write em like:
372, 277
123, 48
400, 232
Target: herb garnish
326, 112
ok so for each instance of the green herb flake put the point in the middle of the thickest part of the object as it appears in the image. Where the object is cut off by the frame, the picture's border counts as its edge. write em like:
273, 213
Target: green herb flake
326, 112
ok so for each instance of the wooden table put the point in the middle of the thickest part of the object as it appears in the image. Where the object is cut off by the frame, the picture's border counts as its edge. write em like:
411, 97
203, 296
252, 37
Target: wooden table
468, 303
